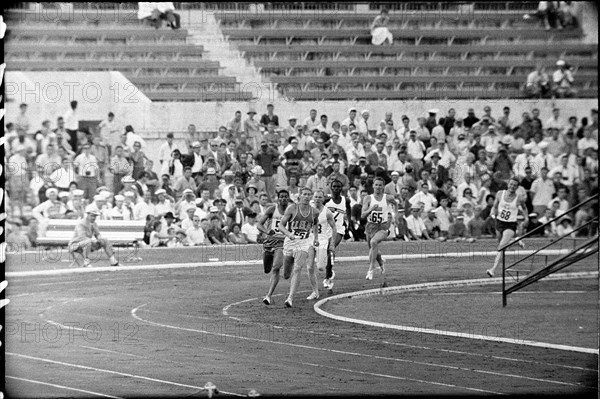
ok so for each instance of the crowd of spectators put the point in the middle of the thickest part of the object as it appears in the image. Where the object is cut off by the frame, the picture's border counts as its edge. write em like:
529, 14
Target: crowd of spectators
211, 187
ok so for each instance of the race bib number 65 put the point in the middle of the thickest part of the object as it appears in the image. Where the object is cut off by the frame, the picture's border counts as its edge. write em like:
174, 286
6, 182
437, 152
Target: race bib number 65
376, 217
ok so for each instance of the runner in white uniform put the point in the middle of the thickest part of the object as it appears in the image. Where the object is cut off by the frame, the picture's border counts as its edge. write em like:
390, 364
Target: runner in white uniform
506, 210
376, 209
296, 225
319, 254
341, 209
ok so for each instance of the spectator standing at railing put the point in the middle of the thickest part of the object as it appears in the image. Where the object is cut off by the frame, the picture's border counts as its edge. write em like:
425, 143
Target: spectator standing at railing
120, 167
269, 117
86, 166
379, 29
235, 126
252, 128
71, 119
110, 132
22, 120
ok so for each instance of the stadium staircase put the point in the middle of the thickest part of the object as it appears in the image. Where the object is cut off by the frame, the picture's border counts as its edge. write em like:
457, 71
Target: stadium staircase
440, 50
162, 63
581, 250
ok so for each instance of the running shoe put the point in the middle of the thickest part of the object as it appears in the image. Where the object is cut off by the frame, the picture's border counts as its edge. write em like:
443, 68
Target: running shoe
87, 263
489, 273
314, 295
288, 303
267, 300
330, 286
382, 266
369, 275
326, 283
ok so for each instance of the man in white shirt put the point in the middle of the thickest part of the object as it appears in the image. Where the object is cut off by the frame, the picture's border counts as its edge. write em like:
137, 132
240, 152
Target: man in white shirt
446, 156
351, 119
87, 168
143, 207
563, 80
311, 121
249, 228
110, 132
132, 138
555, 121
523, 161
586, 142
167, 148
542, 190
424, 197
568, 172
415, 148
491, 138
195, 233
415, 225
363, 123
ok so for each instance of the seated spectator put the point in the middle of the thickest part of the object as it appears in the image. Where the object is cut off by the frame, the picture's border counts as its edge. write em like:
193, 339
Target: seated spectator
432, 224
154, 13
120, 211
538, 83
236, 236
565, 227
416, 226
215, 233
156, 238
550, 230
562, 80
424, 197
250, 230
444, 217
379, 30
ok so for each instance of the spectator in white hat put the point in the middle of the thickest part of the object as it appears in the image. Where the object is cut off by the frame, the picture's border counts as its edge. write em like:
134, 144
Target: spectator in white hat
76, 205
544, 158
524, 160
87, 238
120, 211
164, 203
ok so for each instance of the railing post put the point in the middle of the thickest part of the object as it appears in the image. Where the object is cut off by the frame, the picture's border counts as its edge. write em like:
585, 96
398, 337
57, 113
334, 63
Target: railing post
503, 278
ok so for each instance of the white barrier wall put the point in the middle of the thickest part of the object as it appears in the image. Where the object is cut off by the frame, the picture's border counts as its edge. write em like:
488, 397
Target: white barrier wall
48, 95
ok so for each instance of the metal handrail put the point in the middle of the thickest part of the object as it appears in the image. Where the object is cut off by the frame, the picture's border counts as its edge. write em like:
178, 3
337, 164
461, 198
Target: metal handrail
594, 220
510, 244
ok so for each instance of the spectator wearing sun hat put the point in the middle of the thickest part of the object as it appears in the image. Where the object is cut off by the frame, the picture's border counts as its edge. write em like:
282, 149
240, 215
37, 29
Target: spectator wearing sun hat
164, 203
252, 128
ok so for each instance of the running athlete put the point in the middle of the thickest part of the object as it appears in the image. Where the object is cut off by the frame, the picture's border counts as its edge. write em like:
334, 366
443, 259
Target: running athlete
273, 244
326, 228
341, 209
296, 224
376, 209
506, 209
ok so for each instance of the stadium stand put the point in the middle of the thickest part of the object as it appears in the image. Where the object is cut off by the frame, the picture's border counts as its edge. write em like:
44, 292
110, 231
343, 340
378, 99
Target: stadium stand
159, 62
489, 49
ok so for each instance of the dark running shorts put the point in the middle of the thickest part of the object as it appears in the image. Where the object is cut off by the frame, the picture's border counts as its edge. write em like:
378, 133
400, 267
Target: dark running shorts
501, 226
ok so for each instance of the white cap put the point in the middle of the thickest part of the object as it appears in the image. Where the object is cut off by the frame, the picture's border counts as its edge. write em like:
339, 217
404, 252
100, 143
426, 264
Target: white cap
434, 111
50, 191
119, 197
211, 171
292, 117
351, 109
188, 191
213, 209
63, 194
160, 191
93, 209
543, 144
364, 111
78, 192
99, 197
128, 179
528, 146
560, 63
129, 194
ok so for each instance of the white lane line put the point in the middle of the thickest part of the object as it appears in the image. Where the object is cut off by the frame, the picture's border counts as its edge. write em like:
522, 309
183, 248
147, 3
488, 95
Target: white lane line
226, 309
498, 293
109, 351
63, 387
406, 256
437, 365
399, 378
451, 284
139, 377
